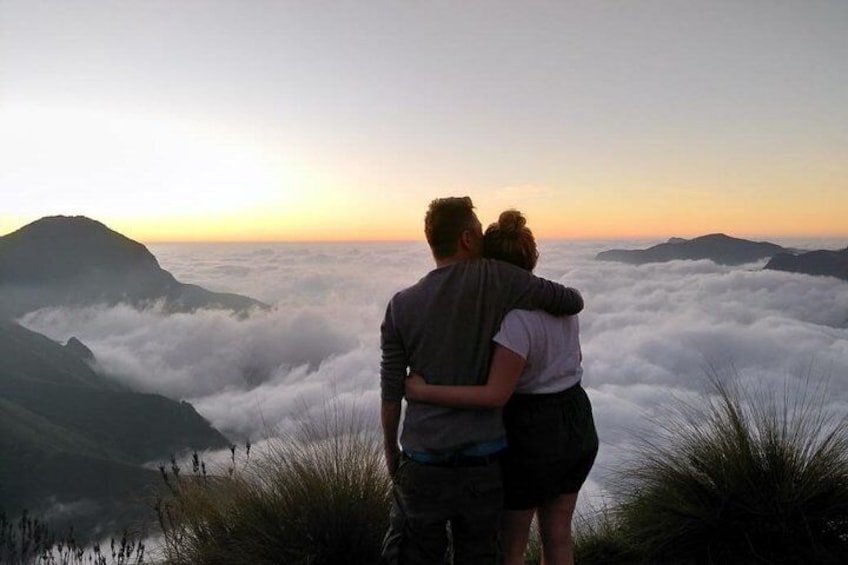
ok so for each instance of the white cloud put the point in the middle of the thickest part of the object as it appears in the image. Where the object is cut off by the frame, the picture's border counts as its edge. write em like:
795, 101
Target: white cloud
649, 333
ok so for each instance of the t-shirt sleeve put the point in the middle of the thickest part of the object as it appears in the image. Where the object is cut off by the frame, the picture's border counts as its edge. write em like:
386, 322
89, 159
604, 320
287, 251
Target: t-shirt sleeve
514, 335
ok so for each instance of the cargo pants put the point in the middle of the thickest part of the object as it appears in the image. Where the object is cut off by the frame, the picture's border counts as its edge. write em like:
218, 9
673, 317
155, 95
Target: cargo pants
444, 514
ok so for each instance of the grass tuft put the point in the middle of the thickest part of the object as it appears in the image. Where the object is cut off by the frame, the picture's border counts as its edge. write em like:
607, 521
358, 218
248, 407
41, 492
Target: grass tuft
745, 477
30, 541
601, 539
742, 477
317, 496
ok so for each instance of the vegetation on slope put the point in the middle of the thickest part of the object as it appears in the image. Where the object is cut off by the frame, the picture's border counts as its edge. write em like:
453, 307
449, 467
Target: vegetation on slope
743, 478
320, 496
28, 541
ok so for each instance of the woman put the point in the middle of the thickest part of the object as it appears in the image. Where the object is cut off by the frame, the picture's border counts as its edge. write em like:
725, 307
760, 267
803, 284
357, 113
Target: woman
536, 367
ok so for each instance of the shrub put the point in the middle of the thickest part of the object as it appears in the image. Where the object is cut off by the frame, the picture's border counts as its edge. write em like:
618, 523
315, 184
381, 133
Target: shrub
600, 539
744, 478
30, 541
318, 496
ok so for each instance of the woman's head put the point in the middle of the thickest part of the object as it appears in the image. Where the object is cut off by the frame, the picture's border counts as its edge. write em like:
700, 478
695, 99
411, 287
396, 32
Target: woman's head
509, 239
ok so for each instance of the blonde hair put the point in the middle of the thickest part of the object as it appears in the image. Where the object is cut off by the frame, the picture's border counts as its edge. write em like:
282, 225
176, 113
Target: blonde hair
509, 239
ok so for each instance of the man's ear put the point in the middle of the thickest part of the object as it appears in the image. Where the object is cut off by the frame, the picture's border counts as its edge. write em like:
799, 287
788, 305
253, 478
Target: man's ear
466, 240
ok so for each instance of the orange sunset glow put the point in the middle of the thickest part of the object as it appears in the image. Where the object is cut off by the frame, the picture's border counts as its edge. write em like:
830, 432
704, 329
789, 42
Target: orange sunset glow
650, 125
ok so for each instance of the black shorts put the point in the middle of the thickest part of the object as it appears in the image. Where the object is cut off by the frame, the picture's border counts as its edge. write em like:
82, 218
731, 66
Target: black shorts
552, 446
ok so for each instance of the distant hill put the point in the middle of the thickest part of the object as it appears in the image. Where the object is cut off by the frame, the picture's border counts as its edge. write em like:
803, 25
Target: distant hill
76, 261
717, 247
69, 436
821, 263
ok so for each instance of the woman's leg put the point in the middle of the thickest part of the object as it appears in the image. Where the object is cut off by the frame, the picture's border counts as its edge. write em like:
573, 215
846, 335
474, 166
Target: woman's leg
516, 533
555, 529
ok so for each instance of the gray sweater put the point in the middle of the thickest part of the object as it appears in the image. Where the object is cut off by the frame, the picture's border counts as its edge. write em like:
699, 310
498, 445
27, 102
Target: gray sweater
442, 328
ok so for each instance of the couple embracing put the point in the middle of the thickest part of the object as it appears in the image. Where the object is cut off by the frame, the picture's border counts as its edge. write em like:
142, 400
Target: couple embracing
497, 427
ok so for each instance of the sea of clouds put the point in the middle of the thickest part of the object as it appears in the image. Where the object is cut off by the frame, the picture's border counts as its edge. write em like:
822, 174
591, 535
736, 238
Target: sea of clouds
651, 334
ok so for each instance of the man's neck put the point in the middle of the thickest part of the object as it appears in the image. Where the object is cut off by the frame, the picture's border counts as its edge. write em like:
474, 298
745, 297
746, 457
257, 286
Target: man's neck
457, 258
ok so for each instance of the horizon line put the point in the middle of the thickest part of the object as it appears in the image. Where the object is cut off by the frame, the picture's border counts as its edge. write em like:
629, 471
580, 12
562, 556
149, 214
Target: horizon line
423, 241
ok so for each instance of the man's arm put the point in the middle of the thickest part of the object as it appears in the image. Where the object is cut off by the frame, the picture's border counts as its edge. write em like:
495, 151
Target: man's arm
390, 419
530, 292
392, 375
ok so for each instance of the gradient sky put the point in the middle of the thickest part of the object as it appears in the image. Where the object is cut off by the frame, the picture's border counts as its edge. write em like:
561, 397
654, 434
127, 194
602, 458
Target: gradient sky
260, 120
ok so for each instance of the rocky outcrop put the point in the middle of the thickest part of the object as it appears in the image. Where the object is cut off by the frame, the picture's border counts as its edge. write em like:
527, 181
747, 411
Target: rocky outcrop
78, 348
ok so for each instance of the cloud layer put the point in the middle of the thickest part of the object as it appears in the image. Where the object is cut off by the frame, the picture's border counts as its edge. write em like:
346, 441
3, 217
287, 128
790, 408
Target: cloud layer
650, 333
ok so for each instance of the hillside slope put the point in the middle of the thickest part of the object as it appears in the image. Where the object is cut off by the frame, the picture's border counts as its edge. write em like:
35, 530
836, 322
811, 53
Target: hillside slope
718, 247
77, 261
70, 438
822, 263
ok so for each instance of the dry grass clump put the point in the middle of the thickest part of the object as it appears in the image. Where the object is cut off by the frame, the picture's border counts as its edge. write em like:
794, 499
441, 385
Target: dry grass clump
30, 541
601, 539
740, 478
317, 496
744, 478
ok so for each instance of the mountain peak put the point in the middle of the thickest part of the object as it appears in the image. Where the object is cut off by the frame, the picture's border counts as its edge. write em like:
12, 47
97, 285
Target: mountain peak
78, 348
64, 226
67, 220
717, 247
75, 261
62, 248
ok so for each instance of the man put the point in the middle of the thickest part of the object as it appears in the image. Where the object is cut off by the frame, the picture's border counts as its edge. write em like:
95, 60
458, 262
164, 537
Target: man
441, 328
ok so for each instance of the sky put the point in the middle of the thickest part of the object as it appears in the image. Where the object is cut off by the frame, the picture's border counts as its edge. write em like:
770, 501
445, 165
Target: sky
315, 120
651, 336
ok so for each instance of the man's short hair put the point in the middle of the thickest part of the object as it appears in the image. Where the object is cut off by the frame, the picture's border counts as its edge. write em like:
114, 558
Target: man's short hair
444, 223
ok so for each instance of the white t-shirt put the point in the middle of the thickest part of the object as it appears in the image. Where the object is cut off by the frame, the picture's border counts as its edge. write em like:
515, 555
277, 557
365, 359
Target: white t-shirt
549, 344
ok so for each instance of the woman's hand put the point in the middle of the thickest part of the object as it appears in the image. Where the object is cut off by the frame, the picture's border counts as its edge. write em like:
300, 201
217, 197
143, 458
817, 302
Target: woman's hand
415, 384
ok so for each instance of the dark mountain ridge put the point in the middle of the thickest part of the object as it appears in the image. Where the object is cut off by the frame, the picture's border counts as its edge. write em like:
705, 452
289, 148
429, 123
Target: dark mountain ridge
30, 355
77, 261
71, 437
819, 263
69, 434
62, 248
718, 247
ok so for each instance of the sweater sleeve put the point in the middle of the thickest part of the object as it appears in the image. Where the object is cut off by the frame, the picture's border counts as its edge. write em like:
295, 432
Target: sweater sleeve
533, 293
394, 363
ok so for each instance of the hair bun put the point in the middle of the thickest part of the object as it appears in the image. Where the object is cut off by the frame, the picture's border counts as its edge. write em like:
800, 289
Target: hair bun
509, 239
511, 222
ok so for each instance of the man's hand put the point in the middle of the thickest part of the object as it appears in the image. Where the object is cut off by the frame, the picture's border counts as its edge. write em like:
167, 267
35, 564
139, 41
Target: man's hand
392, 455
415, 384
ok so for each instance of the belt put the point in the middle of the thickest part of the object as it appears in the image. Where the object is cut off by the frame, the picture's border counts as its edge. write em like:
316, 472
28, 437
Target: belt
452, 459
472, 456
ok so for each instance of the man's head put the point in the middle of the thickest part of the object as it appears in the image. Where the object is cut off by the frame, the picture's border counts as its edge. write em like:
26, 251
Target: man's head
452, 229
